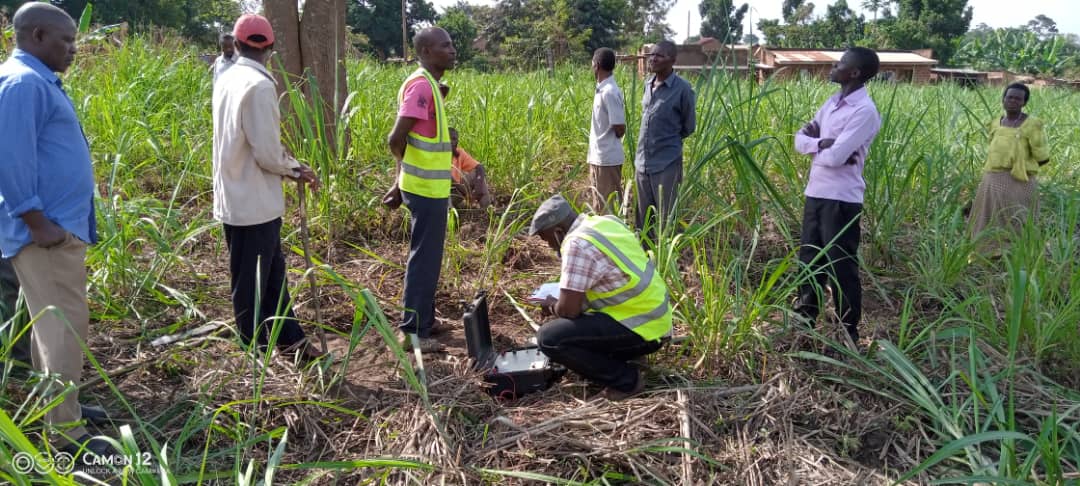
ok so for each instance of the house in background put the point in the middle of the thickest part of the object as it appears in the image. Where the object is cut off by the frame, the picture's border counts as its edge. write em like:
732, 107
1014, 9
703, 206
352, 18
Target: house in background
963, 77
703, 55
783, 63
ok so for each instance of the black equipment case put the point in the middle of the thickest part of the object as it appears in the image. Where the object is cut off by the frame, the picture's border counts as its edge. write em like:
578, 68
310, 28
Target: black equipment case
509, 374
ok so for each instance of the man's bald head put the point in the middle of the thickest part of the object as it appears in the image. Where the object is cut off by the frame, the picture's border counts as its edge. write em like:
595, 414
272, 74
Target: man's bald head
428, 37
435, 48
46, 32
38, 15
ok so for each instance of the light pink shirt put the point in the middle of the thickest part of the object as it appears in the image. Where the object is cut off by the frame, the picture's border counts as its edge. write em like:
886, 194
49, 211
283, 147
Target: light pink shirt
853, 122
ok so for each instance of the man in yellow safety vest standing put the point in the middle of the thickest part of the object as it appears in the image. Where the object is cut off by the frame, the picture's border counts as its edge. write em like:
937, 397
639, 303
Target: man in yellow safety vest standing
420, 141
612, 306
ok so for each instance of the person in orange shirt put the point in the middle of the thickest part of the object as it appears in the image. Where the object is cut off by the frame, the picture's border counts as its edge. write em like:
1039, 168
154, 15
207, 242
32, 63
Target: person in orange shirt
469, 181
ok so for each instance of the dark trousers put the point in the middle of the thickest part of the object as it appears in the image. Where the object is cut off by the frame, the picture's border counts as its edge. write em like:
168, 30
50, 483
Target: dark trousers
9, 300
428, 228
260, 293
656, 195
595, 346
828, 221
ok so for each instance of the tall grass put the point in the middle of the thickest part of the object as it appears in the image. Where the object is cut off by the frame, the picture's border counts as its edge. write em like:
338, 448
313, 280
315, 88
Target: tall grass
983, 353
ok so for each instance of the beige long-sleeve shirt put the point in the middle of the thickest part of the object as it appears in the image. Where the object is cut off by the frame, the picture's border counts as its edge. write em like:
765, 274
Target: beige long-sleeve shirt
249, 160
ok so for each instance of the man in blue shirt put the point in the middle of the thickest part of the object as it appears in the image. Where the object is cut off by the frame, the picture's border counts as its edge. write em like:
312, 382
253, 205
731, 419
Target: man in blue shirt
47, 204
667, 117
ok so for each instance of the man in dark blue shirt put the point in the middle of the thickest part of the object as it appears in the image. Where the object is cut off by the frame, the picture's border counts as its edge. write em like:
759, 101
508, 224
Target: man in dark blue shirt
47, 205
667, 117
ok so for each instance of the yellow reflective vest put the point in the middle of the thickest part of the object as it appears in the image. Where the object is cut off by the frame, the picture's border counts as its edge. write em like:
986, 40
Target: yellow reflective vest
425, 169
641, 304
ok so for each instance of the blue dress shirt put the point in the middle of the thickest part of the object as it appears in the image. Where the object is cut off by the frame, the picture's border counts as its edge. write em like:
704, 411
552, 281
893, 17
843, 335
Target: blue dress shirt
44, 156
668, 115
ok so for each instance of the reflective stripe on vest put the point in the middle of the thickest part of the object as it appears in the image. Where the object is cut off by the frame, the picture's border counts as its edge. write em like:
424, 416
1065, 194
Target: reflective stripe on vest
641, 304
425, 168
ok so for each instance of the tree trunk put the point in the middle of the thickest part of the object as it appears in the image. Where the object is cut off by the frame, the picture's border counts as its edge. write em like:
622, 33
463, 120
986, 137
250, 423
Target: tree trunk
312, 46
322, 46
285, 18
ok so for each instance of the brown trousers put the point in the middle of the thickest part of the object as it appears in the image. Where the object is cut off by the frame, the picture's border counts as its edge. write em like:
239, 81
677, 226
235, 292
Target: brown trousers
56, 276
604, 181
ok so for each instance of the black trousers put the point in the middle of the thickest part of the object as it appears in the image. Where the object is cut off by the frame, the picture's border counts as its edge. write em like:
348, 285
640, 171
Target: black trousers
595, 346
260, 293
828, 221
428, 228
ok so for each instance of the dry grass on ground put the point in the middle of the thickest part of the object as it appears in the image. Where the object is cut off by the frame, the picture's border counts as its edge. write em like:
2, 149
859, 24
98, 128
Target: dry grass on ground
771, 424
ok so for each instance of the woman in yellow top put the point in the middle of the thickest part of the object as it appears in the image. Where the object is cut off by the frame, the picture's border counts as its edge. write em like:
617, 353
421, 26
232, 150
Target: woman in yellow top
1009, 191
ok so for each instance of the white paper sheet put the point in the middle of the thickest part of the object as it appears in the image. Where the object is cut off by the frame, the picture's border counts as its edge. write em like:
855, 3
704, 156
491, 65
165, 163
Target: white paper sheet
550, 289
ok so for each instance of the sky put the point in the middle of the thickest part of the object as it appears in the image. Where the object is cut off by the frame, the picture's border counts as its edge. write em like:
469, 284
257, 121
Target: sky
995, 13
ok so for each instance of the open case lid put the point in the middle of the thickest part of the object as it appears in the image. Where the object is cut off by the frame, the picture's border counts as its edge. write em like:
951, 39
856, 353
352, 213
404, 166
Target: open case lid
478, 332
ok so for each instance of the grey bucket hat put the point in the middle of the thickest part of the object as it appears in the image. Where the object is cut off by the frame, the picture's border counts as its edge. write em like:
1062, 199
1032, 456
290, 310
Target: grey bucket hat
552, 212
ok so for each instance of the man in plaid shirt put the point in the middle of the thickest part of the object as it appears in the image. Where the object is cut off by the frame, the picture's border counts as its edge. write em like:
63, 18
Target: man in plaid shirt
612, 305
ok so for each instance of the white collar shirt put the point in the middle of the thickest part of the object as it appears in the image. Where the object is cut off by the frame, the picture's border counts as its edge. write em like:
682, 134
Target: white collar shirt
248, 158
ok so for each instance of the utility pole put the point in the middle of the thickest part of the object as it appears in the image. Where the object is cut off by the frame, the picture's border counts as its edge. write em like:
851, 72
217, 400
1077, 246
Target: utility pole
687, 24
404, 35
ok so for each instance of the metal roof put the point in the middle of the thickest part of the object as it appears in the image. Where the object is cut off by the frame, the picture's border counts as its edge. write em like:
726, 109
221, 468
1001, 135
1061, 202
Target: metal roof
957, 71
829, 57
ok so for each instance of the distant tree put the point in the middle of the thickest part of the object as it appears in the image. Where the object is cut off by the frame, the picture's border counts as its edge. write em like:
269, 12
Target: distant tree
525, 30
797, 11
750, 39
1043, 26
198, 20
721, 20
646, 21
937, 24
773, 32
380, 22
462, 29
874, 6
602, 19
840, 27
1017, 50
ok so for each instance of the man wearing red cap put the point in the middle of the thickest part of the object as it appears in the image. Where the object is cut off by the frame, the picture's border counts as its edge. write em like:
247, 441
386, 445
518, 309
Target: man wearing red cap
420, 141
249, 163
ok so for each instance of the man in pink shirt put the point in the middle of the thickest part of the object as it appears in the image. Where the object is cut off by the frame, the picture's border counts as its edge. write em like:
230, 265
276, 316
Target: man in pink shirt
420, 142
839, 138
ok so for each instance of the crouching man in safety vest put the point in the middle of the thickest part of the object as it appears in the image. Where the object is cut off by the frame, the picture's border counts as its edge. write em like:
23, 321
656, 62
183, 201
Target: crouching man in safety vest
612, 306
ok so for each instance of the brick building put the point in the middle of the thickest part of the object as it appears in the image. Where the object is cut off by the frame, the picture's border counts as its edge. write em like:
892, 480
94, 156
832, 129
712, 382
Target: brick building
900, 66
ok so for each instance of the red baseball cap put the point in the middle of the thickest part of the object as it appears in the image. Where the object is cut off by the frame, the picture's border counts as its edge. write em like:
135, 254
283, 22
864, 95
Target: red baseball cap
249, 25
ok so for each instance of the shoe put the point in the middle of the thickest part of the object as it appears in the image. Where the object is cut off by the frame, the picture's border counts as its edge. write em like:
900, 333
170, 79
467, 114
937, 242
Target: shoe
89, 444
617, 396
94, 414
427, 345
440, 327
800, 316
303, 352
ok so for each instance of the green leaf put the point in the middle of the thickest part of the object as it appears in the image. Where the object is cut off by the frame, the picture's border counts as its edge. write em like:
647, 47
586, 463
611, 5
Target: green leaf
961, 444
84, 19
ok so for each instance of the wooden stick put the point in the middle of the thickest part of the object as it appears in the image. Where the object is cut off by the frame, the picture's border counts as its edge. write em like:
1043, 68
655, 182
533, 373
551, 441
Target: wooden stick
305, 238
685, 430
